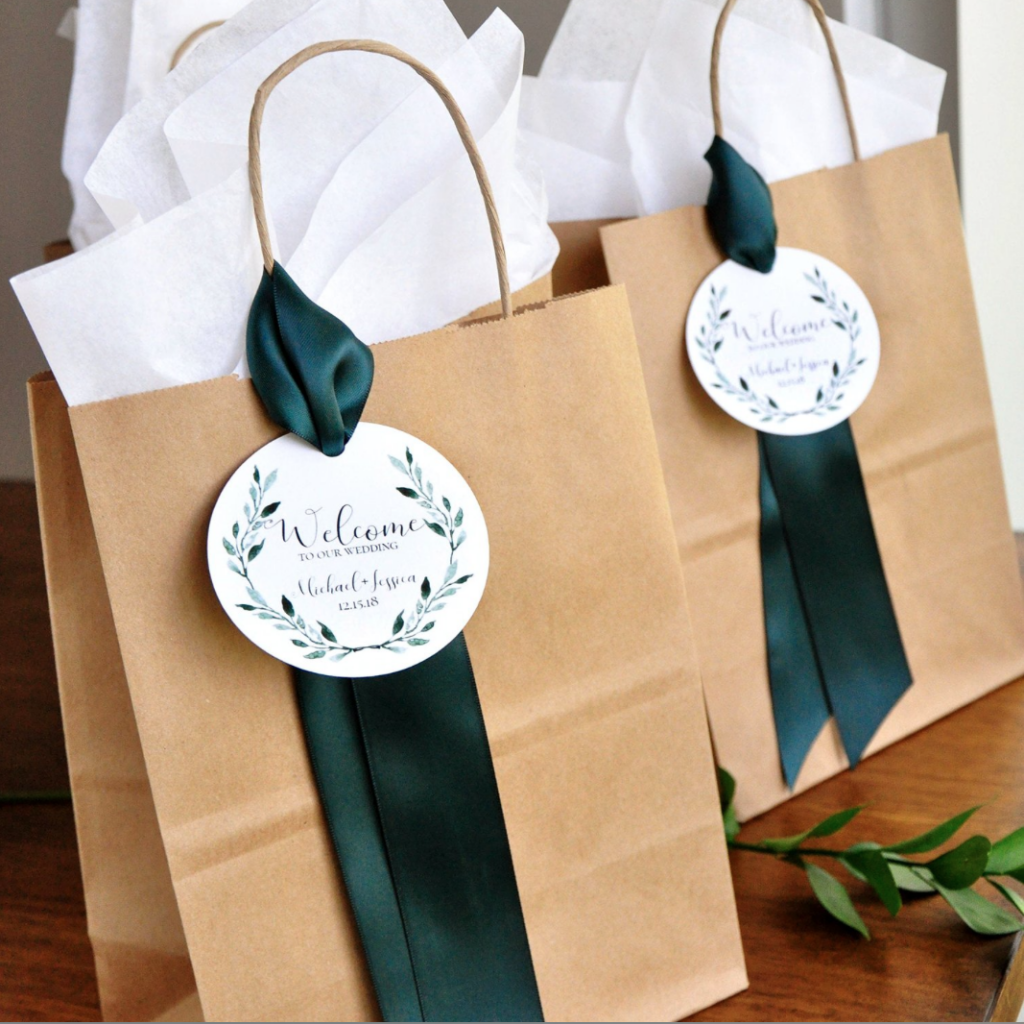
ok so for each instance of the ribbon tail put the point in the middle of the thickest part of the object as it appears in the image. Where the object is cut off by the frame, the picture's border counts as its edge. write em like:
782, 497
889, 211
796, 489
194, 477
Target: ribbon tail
335, 744
799, 701
445, 831
827, 521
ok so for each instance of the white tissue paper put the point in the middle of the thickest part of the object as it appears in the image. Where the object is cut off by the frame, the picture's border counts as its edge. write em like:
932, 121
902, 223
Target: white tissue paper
159, 28
780, 103
137, 174
397, 243
781, 107
102, 30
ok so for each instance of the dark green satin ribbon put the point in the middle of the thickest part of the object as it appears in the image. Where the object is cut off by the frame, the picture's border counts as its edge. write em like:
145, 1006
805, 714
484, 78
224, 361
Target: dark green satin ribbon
402, 762
833, 643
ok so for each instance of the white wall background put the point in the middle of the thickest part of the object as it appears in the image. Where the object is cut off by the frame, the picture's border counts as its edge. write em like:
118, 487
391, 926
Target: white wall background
991, 45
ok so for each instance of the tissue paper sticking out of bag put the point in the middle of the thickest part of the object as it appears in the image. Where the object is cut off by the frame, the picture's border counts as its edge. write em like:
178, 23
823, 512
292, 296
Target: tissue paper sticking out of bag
159, 29
96, 102
780, 104
393, 249
136, 173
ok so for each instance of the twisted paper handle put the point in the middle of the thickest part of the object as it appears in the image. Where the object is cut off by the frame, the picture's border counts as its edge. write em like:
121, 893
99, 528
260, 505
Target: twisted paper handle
822, 19
186, 43
386, 50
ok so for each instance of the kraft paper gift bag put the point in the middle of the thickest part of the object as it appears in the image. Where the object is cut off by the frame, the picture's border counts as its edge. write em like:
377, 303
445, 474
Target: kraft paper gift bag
580, 649
927, 450
143, 970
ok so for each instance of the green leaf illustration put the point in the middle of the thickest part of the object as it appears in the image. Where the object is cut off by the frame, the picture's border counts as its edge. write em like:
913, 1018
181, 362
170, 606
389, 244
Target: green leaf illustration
397, 463
744, 384
270, 509
463, 579
300, 643
234, 531
270, 481
229, 547
408, 456
246, 607
818, 298
255, 550
399, 623
835, 369
425, 588
256, 473
438, 529
832, 895
407, 492
327, 633
314, 655
428, 627
933, 838
417, 642
289, 608
458, 518
451, 571
447, 504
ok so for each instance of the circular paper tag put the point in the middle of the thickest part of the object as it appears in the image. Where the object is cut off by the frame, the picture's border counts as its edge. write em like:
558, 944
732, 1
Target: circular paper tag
791, 352
359, 565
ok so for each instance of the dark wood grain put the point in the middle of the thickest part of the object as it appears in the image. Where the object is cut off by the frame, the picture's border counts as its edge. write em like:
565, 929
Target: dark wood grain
925, 965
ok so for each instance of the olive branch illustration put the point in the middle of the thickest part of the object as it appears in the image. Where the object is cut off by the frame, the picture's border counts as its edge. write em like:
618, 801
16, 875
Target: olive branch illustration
711, 337
407, 631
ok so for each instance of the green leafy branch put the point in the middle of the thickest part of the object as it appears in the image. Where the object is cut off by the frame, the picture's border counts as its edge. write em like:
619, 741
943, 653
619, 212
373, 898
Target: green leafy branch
890, 871
246, 543
446, 524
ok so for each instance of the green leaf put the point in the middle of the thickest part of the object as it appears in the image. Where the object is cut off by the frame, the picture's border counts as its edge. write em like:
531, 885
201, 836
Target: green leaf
962, 866
270, 509
458, 518
835, 369
289, 608
909, 879
255, 550
428, 627
399, 623
246, 607
978, 913
270, 481
463, 579
726, 789
744, 384
1007, 854
832, 895
314, 655
408, 456
820, 395
934, 837
407, 492
1007, 893
425, 588
417, 642
828, 827
234, 531
450, 572
438, 529
229, 547
256, 473
327, 633
874, 869
300, 643
447, 504
818, 298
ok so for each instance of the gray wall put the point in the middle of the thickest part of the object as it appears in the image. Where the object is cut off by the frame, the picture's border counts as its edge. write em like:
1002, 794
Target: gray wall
35, 70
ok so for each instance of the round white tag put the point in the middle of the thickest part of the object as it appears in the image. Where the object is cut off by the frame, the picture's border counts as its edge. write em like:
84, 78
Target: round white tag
791, 352
359, 565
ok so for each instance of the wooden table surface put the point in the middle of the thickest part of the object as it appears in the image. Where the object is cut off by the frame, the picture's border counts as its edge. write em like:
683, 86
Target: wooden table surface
924, 965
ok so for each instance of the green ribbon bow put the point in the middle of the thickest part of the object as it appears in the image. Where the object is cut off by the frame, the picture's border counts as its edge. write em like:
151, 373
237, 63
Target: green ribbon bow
834, 646
401, 761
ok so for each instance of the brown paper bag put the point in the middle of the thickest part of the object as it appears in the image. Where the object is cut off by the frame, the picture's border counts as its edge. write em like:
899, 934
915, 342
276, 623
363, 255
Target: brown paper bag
142, 964
926, 439
581, 650
580, 264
